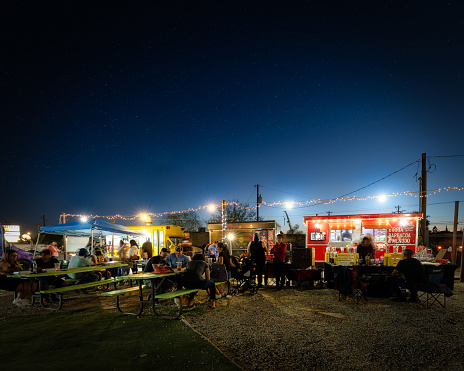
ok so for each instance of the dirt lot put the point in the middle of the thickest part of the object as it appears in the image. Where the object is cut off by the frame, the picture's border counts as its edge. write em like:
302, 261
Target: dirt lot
311, 329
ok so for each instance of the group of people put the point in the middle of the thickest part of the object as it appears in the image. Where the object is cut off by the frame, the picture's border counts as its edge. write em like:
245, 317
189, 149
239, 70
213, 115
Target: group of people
257, 251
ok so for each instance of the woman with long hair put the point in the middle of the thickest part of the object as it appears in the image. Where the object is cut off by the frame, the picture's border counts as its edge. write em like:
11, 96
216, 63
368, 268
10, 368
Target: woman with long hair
23, 288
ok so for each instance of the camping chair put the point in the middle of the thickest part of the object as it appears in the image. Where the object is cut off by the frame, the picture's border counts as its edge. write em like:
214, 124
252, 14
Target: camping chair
434, 292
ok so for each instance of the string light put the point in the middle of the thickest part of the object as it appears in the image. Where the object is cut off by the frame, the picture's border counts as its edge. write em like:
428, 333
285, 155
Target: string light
245, 206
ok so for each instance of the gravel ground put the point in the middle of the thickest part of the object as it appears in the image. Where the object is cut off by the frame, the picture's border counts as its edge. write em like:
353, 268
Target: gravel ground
311, 329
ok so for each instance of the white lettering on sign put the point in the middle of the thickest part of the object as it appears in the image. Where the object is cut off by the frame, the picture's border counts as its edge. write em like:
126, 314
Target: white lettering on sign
400, 235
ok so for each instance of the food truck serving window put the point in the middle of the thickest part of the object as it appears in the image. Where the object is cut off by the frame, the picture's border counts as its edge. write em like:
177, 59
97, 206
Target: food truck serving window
341, 235
378, 234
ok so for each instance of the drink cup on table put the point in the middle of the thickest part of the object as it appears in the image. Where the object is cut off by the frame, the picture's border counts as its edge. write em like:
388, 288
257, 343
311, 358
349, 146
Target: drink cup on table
179, 266
57, 266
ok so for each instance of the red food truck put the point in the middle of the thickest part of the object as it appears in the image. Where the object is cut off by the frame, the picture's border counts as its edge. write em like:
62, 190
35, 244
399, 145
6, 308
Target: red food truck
389, 232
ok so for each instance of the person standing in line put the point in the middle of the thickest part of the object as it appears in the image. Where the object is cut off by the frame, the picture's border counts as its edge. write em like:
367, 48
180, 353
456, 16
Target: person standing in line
278, 261
256, 251
53, 247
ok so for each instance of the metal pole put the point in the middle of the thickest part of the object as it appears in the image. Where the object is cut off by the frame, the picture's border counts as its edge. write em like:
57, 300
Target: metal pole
454, 251
462, 258
257, 202
424, 200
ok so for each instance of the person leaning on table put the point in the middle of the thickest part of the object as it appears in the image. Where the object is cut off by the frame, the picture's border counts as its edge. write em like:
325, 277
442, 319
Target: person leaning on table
152, 264
23, 289
175, 257
80, 260
409, 273
157, 261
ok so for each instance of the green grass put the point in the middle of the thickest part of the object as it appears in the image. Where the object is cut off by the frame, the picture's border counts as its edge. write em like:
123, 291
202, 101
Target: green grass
90, 339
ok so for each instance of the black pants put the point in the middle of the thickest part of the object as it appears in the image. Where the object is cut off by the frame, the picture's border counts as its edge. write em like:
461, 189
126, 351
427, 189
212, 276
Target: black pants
203, 285
397, 283
279, 273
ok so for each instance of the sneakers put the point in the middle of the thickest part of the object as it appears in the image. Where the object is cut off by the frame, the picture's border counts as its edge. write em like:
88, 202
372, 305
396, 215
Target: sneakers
21, 303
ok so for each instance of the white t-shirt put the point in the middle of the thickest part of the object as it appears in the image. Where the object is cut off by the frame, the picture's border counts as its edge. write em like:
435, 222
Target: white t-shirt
134, 250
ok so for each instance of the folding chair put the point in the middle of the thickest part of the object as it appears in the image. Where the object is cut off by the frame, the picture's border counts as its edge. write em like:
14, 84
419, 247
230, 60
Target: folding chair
434, 292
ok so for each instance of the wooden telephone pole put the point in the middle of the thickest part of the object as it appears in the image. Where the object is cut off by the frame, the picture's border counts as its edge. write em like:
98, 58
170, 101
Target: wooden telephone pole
423, 204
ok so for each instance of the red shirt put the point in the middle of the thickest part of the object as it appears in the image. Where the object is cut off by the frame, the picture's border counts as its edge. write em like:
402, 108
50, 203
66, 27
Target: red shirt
279, 252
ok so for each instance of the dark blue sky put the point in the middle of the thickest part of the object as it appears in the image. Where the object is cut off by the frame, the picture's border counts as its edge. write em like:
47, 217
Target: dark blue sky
115, 108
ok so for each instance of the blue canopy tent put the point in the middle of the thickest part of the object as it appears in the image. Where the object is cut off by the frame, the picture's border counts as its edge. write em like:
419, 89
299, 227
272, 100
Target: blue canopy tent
89, 228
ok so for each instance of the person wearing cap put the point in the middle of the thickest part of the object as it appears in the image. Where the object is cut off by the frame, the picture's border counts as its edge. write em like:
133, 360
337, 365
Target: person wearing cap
157, 261
175, 257
80, 260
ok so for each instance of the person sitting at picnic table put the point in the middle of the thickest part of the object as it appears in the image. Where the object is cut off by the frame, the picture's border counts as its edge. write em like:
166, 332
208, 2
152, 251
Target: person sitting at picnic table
22, 288
80, 260
175, 257
48, 262
224, 257
409, 273
98, 259
193, 279
157, 261
365, 249
147, 250
212, 251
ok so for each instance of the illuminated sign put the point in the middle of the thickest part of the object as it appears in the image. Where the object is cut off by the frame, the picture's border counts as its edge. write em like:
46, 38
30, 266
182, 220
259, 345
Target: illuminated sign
12, 233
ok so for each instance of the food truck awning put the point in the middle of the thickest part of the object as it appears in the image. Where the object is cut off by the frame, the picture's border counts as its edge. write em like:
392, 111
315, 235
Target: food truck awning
342, 225
376, 224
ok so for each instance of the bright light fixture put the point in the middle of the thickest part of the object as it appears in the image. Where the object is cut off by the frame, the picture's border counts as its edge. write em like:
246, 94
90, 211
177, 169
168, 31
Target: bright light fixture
212, 208
289, 205
143, 216
382, 198
403, 222
84, 219
230, 236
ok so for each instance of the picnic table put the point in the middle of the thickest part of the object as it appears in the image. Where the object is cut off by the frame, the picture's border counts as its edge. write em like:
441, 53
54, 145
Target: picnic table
41, 291
167, 305
169, 309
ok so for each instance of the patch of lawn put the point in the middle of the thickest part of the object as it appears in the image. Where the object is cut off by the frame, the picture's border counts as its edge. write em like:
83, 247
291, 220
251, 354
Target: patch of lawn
91, 339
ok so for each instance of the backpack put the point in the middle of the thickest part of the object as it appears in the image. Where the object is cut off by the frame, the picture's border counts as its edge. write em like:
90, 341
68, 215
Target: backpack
219, 273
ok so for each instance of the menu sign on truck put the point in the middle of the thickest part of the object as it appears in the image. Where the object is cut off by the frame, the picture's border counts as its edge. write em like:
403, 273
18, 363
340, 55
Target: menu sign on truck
399, 235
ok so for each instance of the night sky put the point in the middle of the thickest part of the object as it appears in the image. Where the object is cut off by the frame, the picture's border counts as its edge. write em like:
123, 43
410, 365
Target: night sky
124, 107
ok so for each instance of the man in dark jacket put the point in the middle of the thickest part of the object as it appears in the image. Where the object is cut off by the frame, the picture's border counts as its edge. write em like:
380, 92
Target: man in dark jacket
410, 274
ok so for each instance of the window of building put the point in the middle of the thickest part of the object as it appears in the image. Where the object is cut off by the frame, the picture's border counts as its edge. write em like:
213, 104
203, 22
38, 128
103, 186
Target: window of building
341, 235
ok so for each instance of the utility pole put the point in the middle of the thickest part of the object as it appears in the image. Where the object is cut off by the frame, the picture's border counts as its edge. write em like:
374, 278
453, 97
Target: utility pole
424, 200
328, 213
462, 258
398, 211
454, 251
259, 199
43, 220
